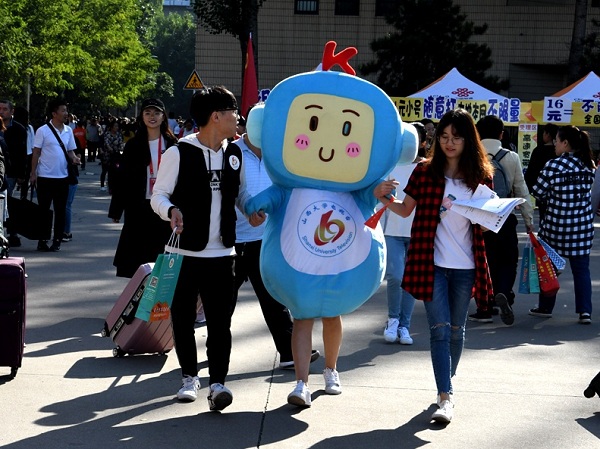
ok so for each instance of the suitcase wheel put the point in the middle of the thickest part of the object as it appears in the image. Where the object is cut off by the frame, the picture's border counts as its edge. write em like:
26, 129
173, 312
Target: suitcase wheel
104, 333
118, 352
13, 372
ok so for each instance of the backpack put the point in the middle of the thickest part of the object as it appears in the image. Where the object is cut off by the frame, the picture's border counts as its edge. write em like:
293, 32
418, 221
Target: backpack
501, 186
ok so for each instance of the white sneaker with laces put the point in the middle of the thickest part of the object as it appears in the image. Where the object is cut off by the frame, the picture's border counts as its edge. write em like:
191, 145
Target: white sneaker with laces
219, 397
445, 413
332, 381
405, 338
189, 389
390, 333
300, 396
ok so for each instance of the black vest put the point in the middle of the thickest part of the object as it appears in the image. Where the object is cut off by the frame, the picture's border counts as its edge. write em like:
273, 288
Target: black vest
193, 195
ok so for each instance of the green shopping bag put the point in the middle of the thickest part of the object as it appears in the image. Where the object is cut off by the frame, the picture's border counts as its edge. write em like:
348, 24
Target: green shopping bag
534, 279
155, 303
528, 280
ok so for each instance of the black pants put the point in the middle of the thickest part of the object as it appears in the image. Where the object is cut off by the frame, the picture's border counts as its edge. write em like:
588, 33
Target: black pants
213, 279
54, 191
502, 250
92, 148
276, 315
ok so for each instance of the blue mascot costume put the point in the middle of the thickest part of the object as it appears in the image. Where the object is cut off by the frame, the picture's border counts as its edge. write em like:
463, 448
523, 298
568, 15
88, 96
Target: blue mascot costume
327, 138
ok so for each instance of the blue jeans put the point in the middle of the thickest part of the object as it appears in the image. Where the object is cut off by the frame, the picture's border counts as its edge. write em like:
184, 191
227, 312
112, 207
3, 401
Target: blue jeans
582, 282
446, 316
400, 302
70, 198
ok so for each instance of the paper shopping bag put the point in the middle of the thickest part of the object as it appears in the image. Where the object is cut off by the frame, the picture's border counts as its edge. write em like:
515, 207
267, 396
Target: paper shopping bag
528, 281
534, 281
524, 277
549, 285
155, 303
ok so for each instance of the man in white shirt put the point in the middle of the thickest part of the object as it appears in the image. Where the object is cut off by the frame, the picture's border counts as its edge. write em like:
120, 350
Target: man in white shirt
49, 168
200, 181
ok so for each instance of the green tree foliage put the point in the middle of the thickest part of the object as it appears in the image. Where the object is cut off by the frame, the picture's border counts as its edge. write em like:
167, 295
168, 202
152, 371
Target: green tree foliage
174, 45
590, 58
431, 38
84, 48
236, 17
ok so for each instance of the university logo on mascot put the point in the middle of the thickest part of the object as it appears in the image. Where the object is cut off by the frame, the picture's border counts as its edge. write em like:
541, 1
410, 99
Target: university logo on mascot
327, 138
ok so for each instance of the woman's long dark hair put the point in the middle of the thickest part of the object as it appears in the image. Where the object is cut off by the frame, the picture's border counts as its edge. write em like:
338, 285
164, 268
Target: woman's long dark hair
142, 134
580, 142
473, 165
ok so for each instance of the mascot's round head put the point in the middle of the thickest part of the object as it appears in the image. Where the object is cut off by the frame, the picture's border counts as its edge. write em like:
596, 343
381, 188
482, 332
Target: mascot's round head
329, 130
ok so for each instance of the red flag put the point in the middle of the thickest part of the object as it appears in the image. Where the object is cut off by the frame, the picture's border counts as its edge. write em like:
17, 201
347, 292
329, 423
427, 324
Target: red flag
250, 86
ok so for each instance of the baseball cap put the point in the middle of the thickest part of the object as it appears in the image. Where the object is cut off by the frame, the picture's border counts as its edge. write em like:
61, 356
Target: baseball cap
153, 103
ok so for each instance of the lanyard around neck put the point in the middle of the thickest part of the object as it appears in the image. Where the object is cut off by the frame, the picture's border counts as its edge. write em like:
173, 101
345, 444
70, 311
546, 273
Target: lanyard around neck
159, 156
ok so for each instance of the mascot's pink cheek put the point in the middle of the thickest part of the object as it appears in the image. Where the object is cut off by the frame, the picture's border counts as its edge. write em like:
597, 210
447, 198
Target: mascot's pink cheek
353, 149
302, 142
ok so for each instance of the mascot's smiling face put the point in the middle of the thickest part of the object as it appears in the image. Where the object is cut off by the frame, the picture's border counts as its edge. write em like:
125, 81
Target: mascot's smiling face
330, 130
328, 138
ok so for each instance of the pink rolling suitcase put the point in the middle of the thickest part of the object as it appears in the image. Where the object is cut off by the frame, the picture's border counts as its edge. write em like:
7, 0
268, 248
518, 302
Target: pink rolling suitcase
132, 335
12, 311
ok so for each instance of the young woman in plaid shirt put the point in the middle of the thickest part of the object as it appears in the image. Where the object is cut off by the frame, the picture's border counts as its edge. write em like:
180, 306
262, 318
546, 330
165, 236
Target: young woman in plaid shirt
446, 264
565, 186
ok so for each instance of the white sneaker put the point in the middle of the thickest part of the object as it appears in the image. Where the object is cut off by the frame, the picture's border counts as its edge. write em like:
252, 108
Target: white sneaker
189, 389
438, 400
332, 381
219, 397
103, 189
300, 396
390, 332
405, 338
445, 413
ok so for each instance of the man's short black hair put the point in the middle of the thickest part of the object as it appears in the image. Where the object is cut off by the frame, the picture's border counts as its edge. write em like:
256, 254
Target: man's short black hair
206, 101
490, 127
54, 104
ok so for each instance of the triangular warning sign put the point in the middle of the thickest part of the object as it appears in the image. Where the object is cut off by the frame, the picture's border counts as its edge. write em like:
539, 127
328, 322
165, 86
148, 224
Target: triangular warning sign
194, 82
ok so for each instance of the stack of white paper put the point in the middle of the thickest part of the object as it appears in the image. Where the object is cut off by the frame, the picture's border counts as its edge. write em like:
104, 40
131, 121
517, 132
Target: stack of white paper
486, 208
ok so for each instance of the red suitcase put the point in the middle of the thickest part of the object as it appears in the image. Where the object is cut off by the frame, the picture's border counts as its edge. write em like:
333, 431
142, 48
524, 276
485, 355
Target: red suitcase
12, 312
132, 335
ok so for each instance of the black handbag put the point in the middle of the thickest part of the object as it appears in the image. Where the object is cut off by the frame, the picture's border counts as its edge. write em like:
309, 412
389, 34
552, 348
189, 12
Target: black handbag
29, 219
72, 170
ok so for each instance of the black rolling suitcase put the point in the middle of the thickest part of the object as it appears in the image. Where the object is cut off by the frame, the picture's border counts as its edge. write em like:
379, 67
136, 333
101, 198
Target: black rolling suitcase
12, 309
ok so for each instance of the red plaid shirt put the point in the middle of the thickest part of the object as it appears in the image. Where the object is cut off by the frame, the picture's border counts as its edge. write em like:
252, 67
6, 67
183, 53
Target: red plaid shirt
428, 192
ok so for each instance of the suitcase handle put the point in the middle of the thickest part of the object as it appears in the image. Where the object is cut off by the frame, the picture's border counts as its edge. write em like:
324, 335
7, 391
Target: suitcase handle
128, 314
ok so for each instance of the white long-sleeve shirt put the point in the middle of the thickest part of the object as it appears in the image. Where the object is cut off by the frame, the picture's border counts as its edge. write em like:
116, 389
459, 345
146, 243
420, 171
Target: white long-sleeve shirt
166, 181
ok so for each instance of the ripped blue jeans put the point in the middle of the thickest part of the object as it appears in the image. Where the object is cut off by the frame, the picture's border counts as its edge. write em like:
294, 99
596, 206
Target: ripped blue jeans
447, 316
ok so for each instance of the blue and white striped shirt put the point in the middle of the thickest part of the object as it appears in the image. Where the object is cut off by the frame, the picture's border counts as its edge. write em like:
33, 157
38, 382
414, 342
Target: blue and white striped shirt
257, 180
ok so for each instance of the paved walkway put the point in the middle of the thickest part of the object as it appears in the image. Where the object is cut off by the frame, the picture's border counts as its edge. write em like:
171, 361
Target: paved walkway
517, 387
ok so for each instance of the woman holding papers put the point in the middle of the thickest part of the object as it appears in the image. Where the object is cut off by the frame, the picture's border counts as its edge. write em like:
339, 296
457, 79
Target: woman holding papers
446, 264
565, 185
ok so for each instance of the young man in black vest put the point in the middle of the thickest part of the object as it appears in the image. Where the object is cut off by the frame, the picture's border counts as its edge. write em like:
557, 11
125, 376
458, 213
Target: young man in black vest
199, 183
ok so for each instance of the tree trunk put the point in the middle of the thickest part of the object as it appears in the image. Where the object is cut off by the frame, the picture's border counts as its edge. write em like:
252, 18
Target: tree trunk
576, 50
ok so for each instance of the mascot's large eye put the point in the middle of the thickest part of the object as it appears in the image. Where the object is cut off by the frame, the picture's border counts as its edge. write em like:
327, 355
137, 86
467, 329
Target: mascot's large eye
314, 123
346, 128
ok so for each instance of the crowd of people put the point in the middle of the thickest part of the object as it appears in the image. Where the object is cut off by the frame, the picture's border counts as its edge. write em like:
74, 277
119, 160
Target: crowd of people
171, 175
